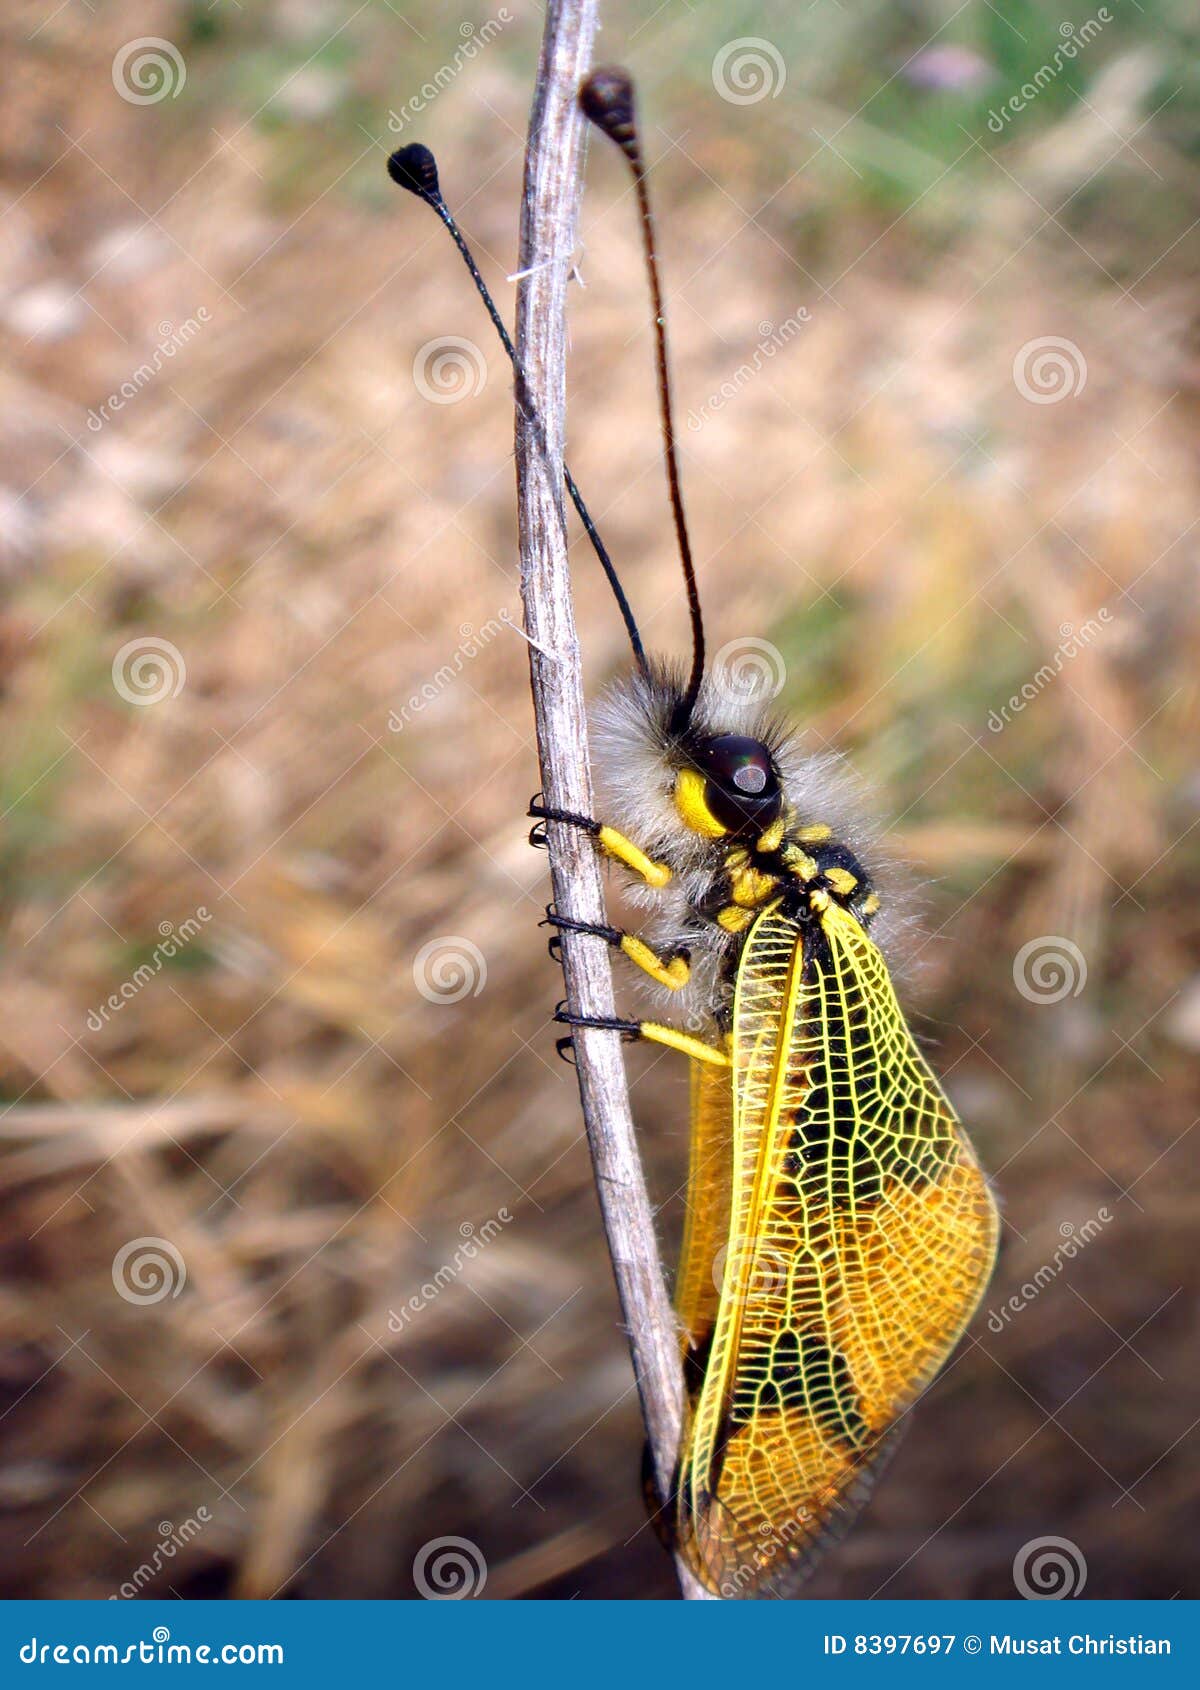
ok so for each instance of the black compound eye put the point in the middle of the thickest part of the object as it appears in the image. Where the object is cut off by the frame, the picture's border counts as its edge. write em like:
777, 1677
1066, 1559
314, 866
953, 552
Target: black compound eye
742, 783
741, 764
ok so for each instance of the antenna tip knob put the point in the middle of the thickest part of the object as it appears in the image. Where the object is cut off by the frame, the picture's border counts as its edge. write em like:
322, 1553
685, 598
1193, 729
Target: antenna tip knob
415, 168
606, 96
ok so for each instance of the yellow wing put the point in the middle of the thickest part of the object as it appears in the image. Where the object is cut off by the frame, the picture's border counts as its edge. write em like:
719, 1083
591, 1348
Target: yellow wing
861, 1234
709, 1187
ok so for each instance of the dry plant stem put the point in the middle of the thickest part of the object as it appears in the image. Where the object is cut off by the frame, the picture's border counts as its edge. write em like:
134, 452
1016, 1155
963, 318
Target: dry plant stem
553, 184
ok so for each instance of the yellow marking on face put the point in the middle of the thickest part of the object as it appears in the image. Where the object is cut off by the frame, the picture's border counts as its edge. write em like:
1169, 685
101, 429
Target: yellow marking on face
799, 862
675, 1040
625, 851
871, 904
693, 806
734, 920
815, 834
674, 972
841, 880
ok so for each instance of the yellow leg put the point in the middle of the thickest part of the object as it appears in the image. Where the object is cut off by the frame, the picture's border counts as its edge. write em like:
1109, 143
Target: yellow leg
625, 851
671, 971
668, 971
609, 840
684, 1042
655, 1031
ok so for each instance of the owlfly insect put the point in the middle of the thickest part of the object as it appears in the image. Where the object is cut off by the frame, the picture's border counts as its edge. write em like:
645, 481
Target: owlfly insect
839, 1230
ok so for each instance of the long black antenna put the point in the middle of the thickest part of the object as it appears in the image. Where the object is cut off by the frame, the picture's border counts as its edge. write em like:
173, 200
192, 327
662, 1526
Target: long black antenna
607, 99
415, 168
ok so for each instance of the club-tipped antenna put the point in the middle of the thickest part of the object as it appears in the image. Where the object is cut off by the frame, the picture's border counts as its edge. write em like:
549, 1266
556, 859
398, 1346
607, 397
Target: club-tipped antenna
415, 168
607, 100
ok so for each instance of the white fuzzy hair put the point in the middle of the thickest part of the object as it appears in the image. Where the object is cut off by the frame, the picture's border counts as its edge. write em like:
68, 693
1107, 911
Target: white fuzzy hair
637, 760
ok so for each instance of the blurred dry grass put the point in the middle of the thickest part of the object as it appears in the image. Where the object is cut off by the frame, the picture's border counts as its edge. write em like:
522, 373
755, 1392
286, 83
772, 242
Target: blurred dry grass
282, 1104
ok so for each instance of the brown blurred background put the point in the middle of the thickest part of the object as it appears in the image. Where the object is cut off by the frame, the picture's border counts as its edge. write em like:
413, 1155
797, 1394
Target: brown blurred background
274, 1037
